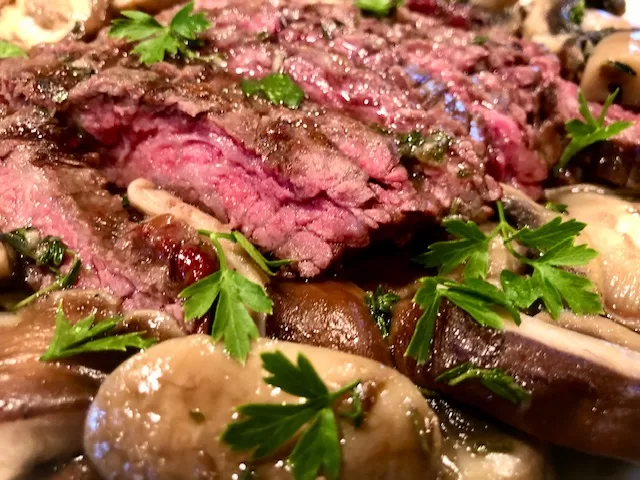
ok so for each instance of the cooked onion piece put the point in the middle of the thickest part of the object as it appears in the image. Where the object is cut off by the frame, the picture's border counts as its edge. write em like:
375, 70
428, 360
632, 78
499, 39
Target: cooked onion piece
615, 61
152, 201
153, 395
29, 22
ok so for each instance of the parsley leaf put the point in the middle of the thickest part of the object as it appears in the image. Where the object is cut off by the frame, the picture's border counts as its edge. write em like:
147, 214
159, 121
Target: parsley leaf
278, 88
471, 249
495, 379
477, 297
379, 8
87, 336
9, 50
550, 234
592, 130
232, 296
159, 41
556, 207
266, 428
380, 304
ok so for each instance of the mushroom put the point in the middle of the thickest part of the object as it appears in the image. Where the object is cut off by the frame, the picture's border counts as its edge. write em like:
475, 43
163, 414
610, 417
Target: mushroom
494, 5
327, 314
613, 229
43, 405
144, 196
153, 395
30, 22
584, 392
614, 63
474, 449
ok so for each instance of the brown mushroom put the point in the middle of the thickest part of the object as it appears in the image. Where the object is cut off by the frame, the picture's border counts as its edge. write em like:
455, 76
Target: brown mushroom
326, 314
152, 395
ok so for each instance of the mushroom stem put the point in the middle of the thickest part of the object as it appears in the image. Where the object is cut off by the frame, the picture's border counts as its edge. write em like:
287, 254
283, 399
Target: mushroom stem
147, 198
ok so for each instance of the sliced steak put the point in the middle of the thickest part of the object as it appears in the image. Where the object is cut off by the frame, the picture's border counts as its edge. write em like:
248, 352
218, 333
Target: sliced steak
55, 192
287, 179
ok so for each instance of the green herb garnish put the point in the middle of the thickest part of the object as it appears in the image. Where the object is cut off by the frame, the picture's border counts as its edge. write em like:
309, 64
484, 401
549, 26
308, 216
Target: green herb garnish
9, 50
380, 304
556, 207
232, 296
158, 41
278, 88
266, 428
475, 296
47, 252
480, 39
495, 379
425, 149
87, 336
576, 14
378, 8
554, 243
592, 130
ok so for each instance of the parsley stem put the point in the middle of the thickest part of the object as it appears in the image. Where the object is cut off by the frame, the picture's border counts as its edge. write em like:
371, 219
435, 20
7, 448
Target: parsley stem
338, 393
60, 284
222, 259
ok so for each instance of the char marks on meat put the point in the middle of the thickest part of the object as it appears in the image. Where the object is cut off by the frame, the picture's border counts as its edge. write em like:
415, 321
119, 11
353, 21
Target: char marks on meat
311, 183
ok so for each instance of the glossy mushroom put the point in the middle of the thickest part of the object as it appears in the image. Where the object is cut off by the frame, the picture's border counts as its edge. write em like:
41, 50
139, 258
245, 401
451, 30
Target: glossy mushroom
30, 22
614, 63
152, 394
326, 314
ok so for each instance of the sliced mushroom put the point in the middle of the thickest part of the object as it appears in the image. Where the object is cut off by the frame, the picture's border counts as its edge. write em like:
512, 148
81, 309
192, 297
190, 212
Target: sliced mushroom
43, 405
153, 395
614, 63
30, 22
585, 392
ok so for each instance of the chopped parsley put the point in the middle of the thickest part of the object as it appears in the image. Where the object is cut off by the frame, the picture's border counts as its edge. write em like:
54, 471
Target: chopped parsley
9, 50
158, 41
380, 304
547, 282
378, 8
87, 336
495, 379
425, 149
278, 88
480, 39
556, 207
576, 13
266, 428
232, 296
48, 252
592, 130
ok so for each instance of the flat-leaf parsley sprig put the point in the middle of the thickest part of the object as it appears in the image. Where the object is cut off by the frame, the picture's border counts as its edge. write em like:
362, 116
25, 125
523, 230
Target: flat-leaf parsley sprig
9, 50
592, 130
87, 336
158, 41
549, 282
232, 296
266, 428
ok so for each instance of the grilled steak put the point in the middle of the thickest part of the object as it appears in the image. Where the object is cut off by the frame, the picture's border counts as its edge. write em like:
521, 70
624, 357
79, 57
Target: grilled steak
52, 190
311, 183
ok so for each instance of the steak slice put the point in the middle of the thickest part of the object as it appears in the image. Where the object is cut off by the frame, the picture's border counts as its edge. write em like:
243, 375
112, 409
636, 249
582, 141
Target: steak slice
47, 188
302, 184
